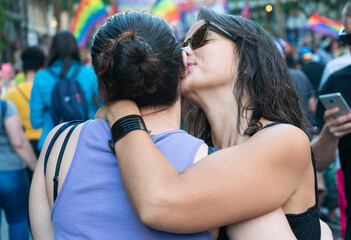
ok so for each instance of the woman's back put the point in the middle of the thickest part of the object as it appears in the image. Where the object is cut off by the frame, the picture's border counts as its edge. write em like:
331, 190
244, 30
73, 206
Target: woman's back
92, 202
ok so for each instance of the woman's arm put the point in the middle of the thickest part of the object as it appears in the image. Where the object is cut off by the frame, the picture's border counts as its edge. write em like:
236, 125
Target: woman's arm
39, 207
218, 190
325, 145
19, 141
273, 226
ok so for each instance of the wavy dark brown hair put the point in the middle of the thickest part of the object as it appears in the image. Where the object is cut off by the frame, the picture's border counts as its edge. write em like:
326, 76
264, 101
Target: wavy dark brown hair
263, 75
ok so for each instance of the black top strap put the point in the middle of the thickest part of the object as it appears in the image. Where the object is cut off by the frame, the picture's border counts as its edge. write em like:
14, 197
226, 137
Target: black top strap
54, 138
59, 161
271, 125
315, 177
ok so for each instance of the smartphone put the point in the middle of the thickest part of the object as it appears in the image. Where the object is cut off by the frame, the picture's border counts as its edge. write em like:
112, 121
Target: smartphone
335, 100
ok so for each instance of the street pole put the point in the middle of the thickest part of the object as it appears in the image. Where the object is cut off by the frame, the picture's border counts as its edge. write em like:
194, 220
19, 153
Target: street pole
279, 19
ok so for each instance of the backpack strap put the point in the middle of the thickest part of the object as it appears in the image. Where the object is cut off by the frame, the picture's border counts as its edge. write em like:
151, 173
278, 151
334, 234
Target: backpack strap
74, 75
3, 106
22, 93
59, 160
76, 71
54, 138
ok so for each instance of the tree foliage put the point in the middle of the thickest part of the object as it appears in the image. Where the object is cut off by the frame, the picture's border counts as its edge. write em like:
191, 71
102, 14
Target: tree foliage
3, 18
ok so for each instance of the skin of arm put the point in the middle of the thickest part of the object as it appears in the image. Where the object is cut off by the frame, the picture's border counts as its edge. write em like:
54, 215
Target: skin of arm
273, 226
325, 145
312, 106
176, 198
39, 207
19, 142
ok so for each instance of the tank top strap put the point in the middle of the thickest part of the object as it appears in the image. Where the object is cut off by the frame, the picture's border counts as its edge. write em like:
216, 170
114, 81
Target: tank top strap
271, 125
315, 176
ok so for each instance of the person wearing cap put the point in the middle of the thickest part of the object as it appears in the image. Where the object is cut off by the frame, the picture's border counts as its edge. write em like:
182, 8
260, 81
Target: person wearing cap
310, 67
335, 133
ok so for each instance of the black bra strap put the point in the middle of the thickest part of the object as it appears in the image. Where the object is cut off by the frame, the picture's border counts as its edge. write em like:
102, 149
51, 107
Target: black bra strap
59, 160
315, 176
54, 138
271, 125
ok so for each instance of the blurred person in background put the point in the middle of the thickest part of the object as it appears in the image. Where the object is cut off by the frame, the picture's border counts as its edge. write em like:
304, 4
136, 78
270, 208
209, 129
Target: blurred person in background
301, 82
7, 76
335, 132
311, 68
63, 61
342, 61
15, 153
325, 52
33, 59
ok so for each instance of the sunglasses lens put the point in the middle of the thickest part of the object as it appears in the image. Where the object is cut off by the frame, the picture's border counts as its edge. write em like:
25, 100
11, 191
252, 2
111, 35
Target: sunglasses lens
346, 39
198, 37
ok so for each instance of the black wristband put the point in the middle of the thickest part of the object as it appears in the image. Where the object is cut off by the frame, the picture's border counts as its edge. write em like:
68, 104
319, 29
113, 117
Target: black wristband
125, 125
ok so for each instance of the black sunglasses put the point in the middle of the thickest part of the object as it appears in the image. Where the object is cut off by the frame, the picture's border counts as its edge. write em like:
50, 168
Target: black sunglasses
198, 38
344, 36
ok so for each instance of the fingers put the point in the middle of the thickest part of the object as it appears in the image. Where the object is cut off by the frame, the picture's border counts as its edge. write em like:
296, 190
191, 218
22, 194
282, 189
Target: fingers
340, 126
331, 112
121, 108
340, 130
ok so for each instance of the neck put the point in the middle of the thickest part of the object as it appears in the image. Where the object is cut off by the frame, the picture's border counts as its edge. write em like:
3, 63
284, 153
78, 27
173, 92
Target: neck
161, 119
29, 76
221, 111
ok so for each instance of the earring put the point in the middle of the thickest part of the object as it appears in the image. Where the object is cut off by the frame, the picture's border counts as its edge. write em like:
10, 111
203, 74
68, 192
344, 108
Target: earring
186, 116
234, 81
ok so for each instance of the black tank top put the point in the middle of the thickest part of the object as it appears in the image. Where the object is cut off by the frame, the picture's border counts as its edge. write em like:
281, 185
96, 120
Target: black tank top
306, 225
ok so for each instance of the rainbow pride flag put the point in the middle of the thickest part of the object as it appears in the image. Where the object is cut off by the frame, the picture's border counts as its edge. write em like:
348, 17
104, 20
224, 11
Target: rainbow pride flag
167, 10
88, 15
323, 25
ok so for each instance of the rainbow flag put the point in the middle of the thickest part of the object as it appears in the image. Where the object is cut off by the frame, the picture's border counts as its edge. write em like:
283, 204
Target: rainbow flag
88, 15
323, 25
167, 10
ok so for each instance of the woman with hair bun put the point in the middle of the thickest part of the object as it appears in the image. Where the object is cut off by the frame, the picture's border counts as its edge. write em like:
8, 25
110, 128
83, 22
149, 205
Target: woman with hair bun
135, 56
80, 195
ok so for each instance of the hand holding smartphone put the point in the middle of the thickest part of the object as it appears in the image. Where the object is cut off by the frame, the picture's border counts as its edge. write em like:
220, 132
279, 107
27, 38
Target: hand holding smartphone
335, 100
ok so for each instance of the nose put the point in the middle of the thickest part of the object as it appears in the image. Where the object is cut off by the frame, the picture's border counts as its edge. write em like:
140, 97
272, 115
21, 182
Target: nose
188, 50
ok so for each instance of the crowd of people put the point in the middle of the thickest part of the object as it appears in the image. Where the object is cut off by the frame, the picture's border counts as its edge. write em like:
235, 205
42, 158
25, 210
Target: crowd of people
259, 151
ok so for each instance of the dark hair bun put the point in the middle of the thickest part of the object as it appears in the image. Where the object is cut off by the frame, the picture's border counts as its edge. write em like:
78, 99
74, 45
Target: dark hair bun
130, 59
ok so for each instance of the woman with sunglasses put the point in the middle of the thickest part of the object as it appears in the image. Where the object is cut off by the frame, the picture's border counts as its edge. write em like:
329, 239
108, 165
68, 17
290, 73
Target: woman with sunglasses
237, 77
79, 194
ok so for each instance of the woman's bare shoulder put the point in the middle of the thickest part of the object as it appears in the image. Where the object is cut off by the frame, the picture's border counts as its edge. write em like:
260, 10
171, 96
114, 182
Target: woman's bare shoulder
282, 143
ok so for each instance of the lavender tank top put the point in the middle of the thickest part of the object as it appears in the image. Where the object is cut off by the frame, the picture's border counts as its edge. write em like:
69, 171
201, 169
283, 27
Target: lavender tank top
93, 204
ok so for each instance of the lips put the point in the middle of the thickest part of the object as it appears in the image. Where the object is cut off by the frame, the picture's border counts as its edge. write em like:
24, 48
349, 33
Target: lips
190, 64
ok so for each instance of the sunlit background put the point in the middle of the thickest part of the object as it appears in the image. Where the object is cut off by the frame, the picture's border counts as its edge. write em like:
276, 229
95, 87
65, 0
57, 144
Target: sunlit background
33, 22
